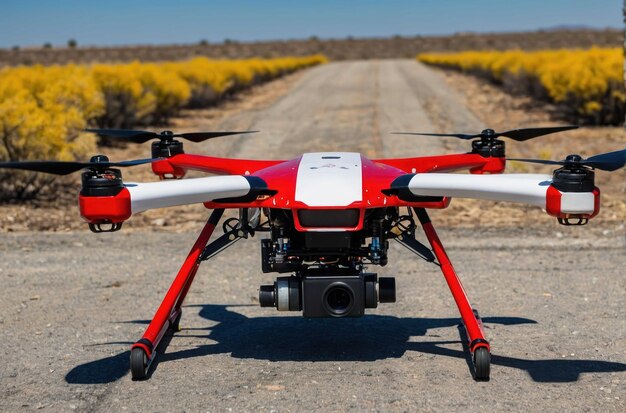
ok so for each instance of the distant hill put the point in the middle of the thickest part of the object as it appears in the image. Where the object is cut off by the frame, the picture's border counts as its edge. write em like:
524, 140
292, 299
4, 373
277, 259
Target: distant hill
570, 27
335, 49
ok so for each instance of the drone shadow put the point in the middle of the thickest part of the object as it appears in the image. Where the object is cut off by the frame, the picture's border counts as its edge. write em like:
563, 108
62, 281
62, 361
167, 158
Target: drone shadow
369, 338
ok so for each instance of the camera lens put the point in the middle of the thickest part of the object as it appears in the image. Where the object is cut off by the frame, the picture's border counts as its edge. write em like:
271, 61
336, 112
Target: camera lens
338, 299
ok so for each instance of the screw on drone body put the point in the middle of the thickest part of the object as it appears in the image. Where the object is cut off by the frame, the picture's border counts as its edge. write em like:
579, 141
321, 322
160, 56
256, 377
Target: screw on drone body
375, 246
99, 159
281, 251
375, 250
573, 160
167, 135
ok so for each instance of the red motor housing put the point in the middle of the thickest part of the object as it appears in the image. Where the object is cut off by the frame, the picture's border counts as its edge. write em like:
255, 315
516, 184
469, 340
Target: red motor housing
105, 209
104, 202
572, 207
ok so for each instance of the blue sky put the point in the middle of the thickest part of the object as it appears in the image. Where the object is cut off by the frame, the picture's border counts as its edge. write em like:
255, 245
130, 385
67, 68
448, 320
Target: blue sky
115, 22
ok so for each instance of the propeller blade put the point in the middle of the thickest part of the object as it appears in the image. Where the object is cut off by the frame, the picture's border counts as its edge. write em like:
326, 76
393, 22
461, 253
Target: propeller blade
66, 168
125, 164
139, 136
523, 134
452, 135
49, 167
203, 136
530, 133
136, 136
610, 161
540, 161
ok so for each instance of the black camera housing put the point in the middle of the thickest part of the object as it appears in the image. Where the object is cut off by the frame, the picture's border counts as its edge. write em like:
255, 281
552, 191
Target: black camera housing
332, 296
322, 293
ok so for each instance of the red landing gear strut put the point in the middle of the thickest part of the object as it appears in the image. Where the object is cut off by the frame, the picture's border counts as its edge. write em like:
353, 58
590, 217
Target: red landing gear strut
477, 344
168, 315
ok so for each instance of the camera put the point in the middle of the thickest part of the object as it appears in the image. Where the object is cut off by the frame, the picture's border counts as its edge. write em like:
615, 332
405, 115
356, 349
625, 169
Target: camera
318, 293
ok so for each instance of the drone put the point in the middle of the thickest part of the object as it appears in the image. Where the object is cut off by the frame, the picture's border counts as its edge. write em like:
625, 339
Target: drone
328, 216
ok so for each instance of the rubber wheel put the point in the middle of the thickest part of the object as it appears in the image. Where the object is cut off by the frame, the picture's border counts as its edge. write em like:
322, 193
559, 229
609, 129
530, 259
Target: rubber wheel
482, 361
138, 363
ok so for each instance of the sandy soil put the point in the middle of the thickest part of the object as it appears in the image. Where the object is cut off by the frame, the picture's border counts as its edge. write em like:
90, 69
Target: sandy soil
72, 303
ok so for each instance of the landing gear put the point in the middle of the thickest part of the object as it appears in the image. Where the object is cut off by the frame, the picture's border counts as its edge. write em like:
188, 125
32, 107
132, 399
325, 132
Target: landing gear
482, 362
139, 363
481, 355
477, 343
167, 317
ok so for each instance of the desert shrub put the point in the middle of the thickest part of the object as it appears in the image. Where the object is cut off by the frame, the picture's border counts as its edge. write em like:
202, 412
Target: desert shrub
210, 79
170, 91
150, 93
206, 78
587, 85
127, 102
42, 114
43, 110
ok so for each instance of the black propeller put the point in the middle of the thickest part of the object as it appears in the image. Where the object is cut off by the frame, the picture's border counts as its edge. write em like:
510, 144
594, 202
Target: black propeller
610, 161
515, 134
97, 163
138, 136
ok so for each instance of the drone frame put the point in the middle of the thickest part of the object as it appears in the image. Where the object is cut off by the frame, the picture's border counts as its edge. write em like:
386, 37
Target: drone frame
322, 184
405, 188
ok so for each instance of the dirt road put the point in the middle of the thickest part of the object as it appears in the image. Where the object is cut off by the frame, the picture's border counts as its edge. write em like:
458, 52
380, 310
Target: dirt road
552, 298
354, 106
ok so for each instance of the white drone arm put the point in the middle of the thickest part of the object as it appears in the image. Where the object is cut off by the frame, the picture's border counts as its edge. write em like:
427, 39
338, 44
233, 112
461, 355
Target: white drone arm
144, 196
524, 188
139, 197
532, 189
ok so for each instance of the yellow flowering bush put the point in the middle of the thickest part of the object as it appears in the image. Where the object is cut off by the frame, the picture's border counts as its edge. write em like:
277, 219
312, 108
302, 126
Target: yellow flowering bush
170, 91
206, 78
42, 114
587, 84
149, 93
43, 110
127, 101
